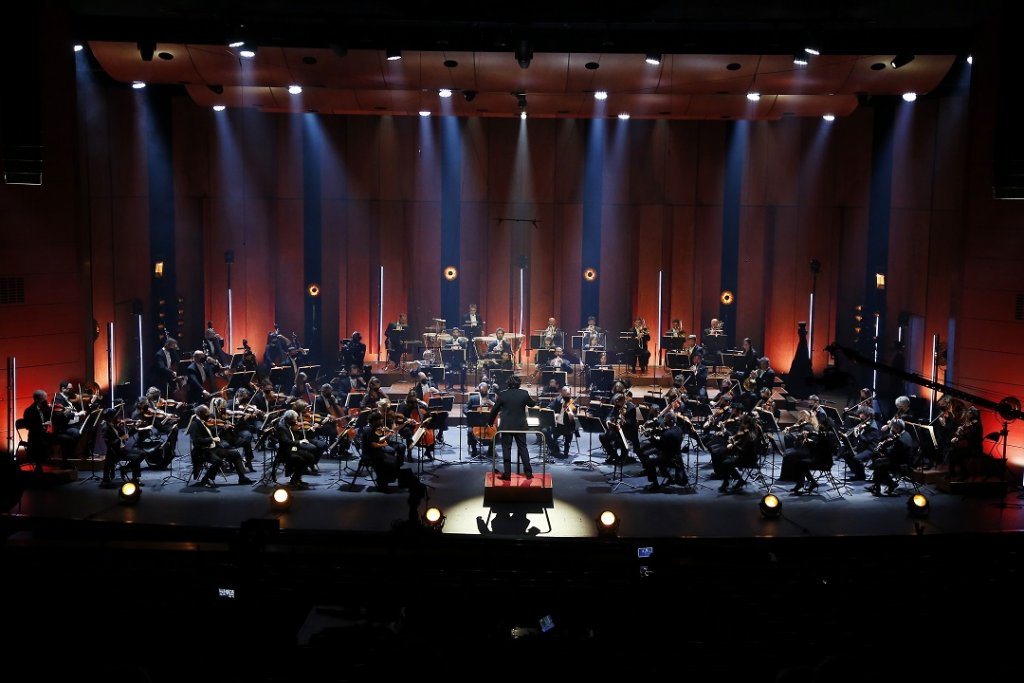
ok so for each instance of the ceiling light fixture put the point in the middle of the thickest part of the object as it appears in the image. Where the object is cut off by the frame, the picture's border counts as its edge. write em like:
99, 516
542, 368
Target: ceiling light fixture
901, 60
812, 51
829, 117
247, 52
237, 43
138, 85
522, 115
624, 116
393, 54
601, 95
294, 89
444, 92
79, 47
909, 96
800, 58
424, 113
653, 58
219, 107
469, 95
753, 96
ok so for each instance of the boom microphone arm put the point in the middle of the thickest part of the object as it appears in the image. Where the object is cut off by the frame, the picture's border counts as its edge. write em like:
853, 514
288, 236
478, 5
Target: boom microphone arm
1008, 409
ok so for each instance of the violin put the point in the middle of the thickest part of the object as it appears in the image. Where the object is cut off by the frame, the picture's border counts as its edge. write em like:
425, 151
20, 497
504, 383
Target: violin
217, 422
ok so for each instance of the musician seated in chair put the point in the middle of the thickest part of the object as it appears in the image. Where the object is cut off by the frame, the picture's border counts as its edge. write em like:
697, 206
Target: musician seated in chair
291, 451
115, 436
663, 451
386, 461
740, 451
413, 414
892, 455
204, 433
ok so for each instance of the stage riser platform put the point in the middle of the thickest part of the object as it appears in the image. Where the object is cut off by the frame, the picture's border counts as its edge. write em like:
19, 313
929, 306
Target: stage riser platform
518, 489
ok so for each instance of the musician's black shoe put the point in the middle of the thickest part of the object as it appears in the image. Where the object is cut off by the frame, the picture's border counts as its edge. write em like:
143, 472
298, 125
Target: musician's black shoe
242, 480
505, 477
798, 489
724, 487
529, 475
653, 487
740, 483
811, 486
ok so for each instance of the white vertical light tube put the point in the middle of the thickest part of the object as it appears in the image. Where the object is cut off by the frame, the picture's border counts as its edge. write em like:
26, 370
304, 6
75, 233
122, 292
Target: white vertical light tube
12, 402
810, 331
935, 374
110, 361
380, 316
874, 373
231, 343
142, 368
657, 344
521, 290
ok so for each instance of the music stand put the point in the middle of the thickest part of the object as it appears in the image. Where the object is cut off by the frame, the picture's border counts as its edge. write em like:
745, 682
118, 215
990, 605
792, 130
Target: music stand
500, 377
454, 360
601, 380
677, 361
558, 375
701, 411
591, 424
240, 380
476, 419
279, 375
544, 356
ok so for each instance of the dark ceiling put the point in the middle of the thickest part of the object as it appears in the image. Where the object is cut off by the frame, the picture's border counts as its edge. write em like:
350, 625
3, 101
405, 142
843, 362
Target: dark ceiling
556, 54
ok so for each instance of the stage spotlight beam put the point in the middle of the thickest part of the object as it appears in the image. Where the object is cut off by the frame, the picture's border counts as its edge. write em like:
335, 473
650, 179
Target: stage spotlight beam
901, 60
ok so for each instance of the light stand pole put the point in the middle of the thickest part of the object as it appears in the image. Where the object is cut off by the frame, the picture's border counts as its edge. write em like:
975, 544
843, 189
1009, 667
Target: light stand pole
12, 408
815, 269
110, 362
229, 258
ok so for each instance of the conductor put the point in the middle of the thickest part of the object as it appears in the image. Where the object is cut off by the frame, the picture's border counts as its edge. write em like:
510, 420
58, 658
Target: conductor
511, 406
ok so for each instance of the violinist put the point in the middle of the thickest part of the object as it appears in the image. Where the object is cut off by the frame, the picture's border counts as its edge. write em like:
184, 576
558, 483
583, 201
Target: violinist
638, 352
795, 440
292, 451
966, 444
865, 437
199, 378
480, 401
204, 431
266, 400
37, 423
115, 436
765, 403
564, 408
373, 394
387, 463
332, 425
741, 451
157, 412
891, 454
307, 428
663, 451
902, 404
866, 398
235, 431
68, 416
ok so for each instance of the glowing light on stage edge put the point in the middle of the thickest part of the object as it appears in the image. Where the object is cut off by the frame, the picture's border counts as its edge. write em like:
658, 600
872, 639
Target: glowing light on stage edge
727, 298
450, 273
590, 274
313, 290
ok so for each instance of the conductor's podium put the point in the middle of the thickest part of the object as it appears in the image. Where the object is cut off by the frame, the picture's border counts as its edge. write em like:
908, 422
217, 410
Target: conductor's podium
518, 489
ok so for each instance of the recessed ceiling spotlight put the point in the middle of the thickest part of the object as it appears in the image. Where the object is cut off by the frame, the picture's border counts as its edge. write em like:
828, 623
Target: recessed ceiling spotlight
800, 58
601, 95
970, 59
444, 92
909, 96
219, 107
424, 113
294, 89
237, 43
522, 115
829, 117
653, 58
393, 54
247, 52
812, 51
138, 85
901, 60
623, 116
753, 96
79, 47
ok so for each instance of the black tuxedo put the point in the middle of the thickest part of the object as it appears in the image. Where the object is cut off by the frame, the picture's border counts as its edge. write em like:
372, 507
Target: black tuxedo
566, 430
394, 338
198, 381
166, 364
511, 408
